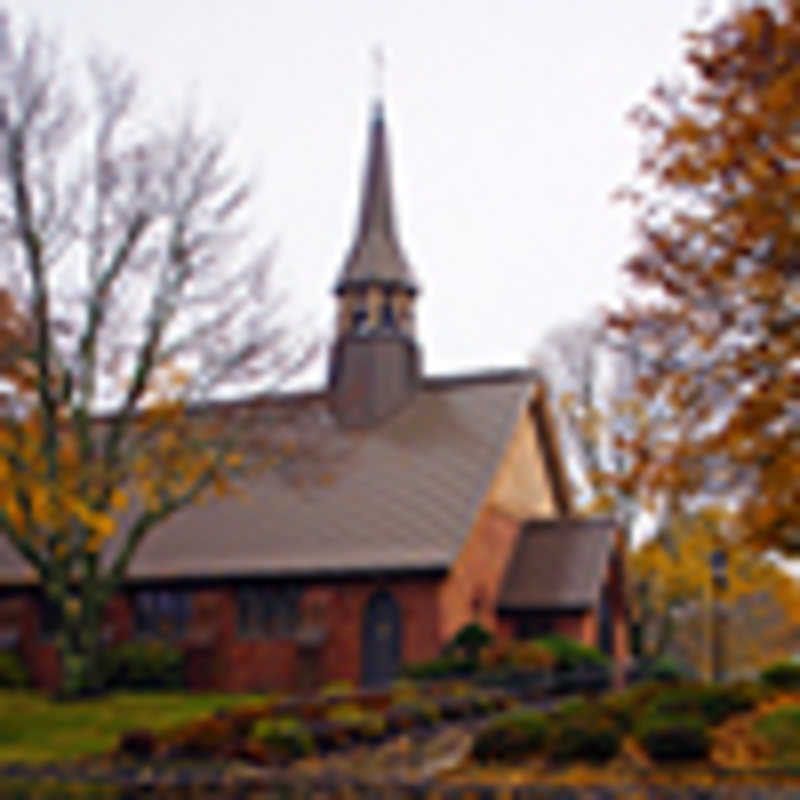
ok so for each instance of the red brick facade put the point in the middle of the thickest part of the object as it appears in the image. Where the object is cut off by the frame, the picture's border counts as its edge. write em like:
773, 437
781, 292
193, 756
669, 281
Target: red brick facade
431, 608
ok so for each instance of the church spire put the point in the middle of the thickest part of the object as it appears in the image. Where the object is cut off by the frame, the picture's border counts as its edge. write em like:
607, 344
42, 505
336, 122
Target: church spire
376, 257
375, 362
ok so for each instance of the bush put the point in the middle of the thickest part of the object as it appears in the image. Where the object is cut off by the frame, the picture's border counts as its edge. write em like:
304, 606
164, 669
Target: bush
666, 670
357, 722
714, 704
532, 655
456, 707
469, 641
782, 675
139, 743
511, 736
441, 667
286, 737
336, 689
409, 714
680, 737
203, 738
569, 654
587, 736
144, 665
627, 707
13, 674
243, 718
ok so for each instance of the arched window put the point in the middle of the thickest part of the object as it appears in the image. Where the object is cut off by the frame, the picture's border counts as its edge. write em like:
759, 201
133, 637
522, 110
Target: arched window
387, 314
381, 639
360, 318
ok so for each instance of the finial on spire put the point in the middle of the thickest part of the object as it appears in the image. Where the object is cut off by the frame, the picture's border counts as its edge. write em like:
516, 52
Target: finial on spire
378, 74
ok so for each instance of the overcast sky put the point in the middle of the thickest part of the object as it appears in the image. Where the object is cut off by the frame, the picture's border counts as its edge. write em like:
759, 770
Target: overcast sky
507, 133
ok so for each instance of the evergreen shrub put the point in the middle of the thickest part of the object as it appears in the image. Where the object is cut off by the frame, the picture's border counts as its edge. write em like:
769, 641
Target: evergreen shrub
569, 654
144, 665
511, 735
286, 737
677, 737
782, 675
588, 737
13, 674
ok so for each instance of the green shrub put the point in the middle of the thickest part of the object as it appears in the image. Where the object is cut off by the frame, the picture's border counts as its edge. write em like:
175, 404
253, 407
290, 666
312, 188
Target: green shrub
511, 736
714, 704
666, 670
441, 667
144, 665
13, 674
469, 641
680, 737
781, 729
586, 736
570, 654
358, 722
782, 675
334, 689
287, 737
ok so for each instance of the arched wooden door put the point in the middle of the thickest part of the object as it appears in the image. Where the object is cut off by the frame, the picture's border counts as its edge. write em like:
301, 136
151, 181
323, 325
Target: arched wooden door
381, 639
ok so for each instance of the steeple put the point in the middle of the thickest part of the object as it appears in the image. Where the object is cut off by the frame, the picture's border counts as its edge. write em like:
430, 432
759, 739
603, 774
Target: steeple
375, 256
375, 361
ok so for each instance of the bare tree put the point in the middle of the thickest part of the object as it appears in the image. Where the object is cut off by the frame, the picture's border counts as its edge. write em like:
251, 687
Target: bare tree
139, 305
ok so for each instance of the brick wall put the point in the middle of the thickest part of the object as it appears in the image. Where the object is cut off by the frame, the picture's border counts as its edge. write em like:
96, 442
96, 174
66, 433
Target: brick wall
470, 590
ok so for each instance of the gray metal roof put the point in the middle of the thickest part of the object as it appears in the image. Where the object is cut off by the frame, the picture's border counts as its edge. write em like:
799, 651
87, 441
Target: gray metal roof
403, 497
559, 563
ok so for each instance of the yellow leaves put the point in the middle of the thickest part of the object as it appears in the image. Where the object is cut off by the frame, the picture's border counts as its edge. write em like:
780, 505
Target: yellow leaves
15, 514
119, 499
234, 460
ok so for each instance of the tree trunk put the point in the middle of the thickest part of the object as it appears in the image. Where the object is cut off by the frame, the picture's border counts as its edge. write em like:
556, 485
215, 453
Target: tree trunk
80, 644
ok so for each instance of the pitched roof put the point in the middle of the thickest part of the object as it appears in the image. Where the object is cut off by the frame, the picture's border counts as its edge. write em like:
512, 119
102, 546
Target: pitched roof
376, 255
404, 497
558, 564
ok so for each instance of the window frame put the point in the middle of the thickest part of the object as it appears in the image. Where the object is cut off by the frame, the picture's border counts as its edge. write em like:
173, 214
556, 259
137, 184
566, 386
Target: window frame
272, 610
172, 605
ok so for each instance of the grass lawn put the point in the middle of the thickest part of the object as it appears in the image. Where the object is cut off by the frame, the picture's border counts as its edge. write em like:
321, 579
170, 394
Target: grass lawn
781, 729
34, 728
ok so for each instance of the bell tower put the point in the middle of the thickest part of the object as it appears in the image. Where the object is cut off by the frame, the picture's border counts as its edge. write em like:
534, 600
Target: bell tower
375, 360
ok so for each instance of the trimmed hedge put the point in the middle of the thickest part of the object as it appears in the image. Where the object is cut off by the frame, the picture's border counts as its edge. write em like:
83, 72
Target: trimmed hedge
571, 655
510, 736
144, 665
441, 667
681, 737
666, 670
714, 704
13, 674
782, 675
589, 737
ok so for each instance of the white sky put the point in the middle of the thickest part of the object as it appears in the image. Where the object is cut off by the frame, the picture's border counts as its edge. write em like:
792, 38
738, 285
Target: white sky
507, 135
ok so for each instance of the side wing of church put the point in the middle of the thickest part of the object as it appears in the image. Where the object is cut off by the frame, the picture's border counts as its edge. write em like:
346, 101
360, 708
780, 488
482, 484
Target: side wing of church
450, 506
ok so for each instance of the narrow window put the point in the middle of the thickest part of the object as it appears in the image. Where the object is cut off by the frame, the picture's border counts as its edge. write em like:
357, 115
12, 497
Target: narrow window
387, 314
360, 319
162, 613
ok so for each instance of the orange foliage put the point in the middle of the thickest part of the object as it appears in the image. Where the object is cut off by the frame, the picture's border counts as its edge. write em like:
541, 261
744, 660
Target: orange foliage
720, 249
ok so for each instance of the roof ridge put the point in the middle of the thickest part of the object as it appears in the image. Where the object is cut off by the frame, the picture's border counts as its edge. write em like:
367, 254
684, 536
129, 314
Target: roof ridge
488, 375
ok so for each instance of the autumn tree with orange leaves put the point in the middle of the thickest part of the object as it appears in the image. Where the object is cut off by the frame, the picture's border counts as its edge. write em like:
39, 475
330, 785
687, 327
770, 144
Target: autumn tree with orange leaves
717, 311
126, 309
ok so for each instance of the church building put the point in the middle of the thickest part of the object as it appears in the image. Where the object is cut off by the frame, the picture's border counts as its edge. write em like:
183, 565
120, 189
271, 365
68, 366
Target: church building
450, 505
